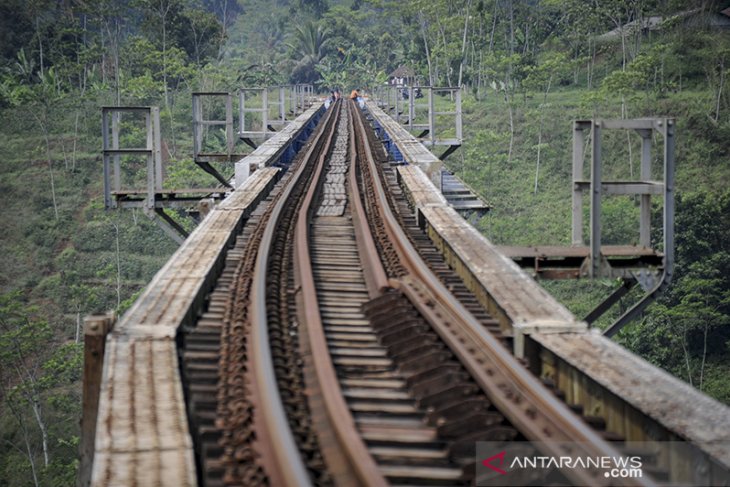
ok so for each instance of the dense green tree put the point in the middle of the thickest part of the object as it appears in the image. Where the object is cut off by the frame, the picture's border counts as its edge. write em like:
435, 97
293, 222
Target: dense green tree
31, 376
693, 318
308, 45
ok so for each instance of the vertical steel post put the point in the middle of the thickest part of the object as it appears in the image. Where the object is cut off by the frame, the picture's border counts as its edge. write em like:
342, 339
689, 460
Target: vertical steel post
150, 200
645, 205
116, 121
230, 141
577, 204
459, 132
265, 112
669, 197
106, 160
596, 199
197, 125
242, 111
282, 107
431, 117
157, 141
411, 108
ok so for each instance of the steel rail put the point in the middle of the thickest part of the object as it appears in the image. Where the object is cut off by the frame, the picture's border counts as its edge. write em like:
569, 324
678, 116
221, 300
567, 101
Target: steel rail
375, 276
527, 404
359, 467
284, 462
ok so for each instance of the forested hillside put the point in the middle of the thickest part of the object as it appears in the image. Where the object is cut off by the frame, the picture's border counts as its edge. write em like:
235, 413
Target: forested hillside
528, 69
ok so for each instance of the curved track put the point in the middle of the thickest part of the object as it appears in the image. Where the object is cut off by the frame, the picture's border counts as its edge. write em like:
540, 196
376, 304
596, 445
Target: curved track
344, 358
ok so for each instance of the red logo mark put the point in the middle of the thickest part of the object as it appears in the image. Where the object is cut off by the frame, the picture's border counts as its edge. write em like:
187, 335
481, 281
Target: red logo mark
488, 462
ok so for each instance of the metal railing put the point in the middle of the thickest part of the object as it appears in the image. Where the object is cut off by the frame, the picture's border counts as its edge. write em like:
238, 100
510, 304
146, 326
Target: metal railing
112, 152
422, 118
200, 126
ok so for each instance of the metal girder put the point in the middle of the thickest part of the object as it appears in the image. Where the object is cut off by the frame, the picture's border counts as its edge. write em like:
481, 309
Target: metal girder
607, 303
112, 152
666, 127
172, 228
200, 127
451, 149
645, 188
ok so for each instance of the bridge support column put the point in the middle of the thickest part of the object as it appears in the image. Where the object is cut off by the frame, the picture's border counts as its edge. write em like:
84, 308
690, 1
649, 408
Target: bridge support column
167, 224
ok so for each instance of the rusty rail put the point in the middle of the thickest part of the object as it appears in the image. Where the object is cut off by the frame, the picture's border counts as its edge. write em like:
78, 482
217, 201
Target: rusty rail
284, 463
348, 448
523, 400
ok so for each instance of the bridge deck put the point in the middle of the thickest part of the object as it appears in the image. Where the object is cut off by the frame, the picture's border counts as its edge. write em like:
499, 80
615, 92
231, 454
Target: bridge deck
418, 187
142, 428
142, 435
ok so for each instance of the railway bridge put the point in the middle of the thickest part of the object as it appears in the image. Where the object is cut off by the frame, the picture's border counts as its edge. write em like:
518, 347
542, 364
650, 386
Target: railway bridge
335, 320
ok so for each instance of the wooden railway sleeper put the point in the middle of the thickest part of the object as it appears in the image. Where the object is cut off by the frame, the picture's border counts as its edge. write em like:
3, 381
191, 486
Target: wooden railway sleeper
439, 383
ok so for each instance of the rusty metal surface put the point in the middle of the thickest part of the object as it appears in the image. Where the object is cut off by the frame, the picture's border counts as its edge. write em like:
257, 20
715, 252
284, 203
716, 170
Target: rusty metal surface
251, 413
375, 277
574, 251
354, 463
174, 192
216, 355
556, 262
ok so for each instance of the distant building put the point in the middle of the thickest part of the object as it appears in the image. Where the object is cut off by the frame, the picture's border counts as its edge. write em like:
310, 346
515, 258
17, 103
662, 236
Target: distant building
403, 76
694, 19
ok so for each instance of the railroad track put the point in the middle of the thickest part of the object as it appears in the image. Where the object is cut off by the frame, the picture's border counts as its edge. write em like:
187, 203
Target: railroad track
337, 347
